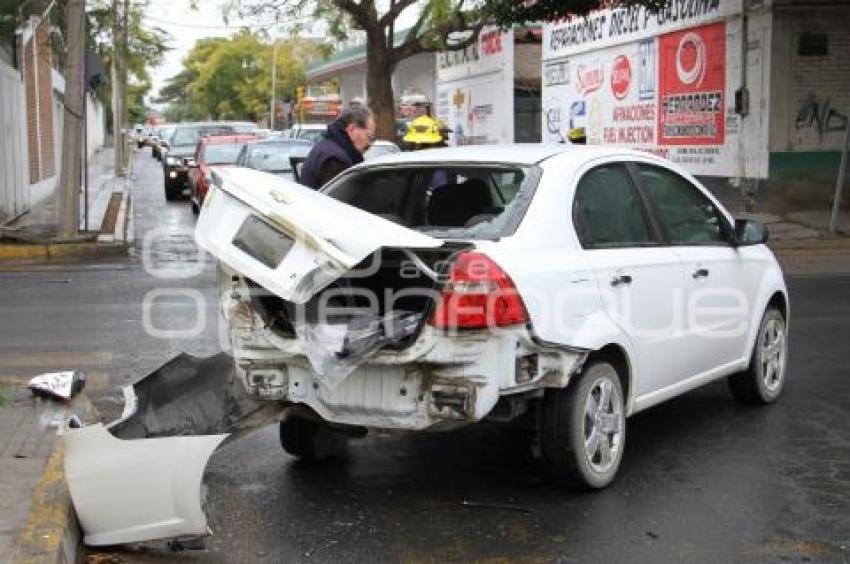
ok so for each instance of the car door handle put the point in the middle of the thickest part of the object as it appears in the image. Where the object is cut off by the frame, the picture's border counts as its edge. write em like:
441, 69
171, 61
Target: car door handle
621, 279
700, 273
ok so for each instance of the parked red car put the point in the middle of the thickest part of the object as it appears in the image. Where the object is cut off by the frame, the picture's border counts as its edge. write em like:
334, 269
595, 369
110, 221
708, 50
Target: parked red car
215, 150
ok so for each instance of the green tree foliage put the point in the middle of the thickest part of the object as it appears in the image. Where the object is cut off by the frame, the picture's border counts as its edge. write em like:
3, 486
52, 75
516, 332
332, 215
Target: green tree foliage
435, 29
146, 45
230, 78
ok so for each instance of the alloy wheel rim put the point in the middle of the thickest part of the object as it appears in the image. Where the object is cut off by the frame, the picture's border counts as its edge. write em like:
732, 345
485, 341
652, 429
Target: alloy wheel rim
603, 425
773, 355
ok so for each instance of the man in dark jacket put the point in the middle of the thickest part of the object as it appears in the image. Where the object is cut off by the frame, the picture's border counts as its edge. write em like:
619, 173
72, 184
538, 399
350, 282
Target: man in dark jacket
347, 139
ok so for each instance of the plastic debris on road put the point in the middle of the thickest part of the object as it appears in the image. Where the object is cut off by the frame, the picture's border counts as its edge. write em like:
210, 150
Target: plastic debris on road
61, 385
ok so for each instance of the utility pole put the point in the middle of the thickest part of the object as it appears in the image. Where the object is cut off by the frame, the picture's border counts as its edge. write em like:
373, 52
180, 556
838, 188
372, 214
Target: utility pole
119, 77
125, 112
274, 77
72, 148
274, 74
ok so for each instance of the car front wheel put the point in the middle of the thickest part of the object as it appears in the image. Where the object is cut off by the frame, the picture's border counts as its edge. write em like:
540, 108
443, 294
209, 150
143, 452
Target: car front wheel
173, 190
583, 429
762, 382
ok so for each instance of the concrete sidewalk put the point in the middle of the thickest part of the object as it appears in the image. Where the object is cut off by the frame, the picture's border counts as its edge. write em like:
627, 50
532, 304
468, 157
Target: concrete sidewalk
802, 243
37, 521
106, 207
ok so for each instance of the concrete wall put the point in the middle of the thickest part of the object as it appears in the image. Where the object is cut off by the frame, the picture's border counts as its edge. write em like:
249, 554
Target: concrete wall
416, 73
810, 94
95, 125
14, 180
352, 84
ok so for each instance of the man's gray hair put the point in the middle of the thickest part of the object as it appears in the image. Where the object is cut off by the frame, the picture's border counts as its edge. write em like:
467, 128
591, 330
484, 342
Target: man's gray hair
358, 115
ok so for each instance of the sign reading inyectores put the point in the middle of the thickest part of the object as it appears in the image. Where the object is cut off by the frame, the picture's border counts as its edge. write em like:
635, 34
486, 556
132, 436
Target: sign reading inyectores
620, 25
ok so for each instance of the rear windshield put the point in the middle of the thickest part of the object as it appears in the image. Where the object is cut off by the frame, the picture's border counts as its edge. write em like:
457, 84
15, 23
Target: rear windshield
192, 134
453, 202
222, 153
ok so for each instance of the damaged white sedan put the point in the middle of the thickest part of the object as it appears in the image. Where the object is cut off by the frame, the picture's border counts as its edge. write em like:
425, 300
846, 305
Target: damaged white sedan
557, 287
560, 289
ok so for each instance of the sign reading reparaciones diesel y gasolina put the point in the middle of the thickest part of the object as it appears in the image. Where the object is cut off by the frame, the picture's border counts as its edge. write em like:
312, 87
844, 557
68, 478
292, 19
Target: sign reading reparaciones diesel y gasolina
620, 25
662, 81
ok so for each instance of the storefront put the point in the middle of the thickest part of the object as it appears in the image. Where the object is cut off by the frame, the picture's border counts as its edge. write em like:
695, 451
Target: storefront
667, 82
490, 91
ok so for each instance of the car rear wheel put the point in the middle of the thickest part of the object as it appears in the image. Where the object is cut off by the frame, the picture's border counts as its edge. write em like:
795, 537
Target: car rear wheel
583, 429
762, 382
310, 440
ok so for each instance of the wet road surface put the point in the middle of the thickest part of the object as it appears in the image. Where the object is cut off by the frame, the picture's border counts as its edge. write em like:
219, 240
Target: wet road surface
702, 480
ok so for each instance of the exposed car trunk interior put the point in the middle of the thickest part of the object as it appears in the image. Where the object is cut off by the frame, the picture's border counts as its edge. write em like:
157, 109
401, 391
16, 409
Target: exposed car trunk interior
391, 285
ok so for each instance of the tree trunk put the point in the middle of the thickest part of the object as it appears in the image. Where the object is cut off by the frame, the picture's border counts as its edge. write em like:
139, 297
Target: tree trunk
379, 87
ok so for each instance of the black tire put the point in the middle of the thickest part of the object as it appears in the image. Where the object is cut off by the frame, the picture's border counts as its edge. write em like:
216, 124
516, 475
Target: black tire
564, 428
763, 381
172, 191
310, 440
196, 209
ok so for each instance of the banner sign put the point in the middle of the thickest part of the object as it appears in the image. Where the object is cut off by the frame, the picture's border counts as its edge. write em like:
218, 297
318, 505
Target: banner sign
475, 90
604, 28
671, 94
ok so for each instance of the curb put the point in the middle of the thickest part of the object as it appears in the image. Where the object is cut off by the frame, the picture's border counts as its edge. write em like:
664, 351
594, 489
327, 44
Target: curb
52, 534
30, 251
107, 245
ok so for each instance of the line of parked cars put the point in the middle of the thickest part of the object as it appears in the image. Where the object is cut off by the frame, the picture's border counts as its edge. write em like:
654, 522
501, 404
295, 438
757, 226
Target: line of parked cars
188, 151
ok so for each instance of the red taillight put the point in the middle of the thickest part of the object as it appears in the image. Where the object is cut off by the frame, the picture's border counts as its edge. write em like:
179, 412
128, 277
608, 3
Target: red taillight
479, 294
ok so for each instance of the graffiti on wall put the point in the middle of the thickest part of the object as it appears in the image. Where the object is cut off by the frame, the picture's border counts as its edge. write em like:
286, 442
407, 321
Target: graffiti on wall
819, 115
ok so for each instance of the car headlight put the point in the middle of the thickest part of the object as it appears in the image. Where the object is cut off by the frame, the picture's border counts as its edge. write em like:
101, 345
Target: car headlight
171, 161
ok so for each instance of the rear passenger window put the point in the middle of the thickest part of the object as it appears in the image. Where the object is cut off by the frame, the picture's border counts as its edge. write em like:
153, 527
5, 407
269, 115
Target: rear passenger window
608, 211
686, 214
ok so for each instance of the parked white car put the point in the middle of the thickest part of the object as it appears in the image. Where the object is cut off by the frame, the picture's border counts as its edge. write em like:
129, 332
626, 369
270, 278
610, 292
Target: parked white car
580, 284
558, 287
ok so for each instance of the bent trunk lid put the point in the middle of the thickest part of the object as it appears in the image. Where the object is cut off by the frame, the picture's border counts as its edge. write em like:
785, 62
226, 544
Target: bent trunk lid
288, 238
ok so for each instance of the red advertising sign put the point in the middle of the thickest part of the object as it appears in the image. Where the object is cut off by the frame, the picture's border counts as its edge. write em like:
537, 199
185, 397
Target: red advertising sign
692, 82
621, 77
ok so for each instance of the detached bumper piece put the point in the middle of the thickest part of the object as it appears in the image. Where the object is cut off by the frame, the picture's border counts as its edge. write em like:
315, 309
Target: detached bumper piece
140, 478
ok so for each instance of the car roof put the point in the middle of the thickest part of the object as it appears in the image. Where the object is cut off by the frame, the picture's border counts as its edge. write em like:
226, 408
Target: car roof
517, 153
222, 139
279, 141
211, 123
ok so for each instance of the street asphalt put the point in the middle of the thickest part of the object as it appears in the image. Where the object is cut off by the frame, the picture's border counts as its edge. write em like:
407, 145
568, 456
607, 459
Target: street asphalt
703, 479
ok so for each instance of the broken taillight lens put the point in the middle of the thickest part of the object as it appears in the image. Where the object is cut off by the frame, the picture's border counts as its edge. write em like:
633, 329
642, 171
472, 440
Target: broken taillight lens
479, 294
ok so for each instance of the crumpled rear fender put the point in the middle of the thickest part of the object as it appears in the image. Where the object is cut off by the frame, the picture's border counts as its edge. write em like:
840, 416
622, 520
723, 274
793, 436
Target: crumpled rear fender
140, 478
137, 490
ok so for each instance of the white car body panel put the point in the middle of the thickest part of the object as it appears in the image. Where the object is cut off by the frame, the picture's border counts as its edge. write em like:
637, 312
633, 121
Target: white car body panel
147, 484
549, 262
136, 490
330, 237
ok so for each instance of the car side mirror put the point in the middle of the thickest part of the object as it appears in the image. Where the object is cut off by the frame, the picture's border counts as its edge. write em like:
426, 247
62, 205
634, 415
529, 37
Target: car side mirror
749, 232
